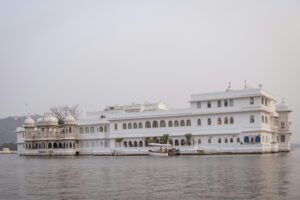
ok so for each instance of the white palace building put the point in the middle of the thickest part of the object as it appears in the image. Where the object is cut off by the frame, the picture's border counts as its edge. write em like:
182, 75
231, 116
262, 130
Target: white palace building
232, 121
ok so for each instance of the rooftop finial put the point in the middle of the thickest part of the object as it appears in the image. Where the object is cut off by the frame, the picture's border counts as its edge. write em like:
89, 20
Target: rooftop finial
229, 86
260, 86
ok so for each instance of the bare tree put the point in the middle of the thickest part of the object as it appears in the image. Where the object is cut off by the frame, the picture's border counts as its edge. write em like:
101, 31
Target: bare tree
62, 111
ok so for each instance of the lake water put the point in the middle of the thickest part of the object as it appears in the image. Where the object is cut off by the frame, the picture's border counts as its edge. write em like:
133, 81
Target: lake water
270, 176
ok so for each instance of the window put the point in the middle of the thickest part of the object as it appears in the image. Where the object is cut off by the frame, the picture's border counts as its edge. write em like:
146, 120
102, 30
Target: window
282, 124
176, 123
92, 130
219, 103
231, 120
238, 140
147, 124
154, 124
86, 130
198, 105
182, 123
226, 120
226, 140
282, 138
226, 103
231, 140
246, 139
262, 100
251, 119
266, 102
230, 102
219, 121
199, 122
209, 140
116, 126
162, 123
208, 121
124, 126
199, 141
81, 130
266, 119
170, 123
134, 125
140, 125
219, 140
129, 126
257, 139
263, 119
209, 104
101, 129
251, 100
188, 122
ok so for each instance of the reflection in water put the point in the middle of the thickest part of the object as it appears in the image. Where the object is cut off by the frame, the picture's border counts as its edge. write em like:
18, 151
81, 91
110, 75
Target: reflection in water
272, 176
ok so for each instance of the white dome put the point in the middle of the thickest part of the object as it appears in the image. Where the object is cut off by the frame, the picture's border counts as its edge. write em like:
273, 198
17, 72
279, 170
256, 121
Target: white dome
29, 120
283, 107
70, 120
49, 119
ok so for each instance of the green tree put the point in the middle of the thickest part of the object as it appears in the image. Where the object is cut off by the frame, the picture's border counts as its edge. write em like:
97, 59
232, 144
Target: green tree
188, 138
164, 139
119, 140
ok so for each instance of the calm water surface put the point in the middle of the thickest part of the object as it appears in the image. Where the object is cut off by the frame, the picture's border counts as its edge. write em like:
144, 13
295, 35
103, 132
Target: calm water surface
272, 176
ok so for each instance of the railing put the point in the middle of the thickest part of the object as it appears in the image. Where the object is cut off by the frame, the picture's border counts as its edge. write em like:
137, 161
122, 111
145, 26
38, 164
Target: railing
50, 136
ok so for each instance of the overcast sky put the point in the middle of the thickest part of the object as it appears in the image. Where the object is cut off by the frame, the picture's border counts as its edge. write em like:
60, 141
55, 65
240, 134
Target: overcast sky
98, 53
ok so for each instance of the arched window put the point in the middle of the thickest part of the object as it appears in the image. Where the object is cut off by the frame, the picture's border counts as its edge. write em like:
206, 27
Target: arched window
49, 146
231, 120
238, 140
188, 122
199, 122
135, 143
55, 145
176, 123
59, 145
252, 139
101, 128
129, 126
147, 124
154, 124
134, 125
86, 130
182, 123
182, 142
176, 143
199, 141
170, 123
257, 139
124, 126
162, 123
70, 145
226, 140
92, 130
226, 120
125, 144
70, 130
140, 125
246, 139
219, 140
231, 140
251, 119
219, 121
219, 103
81, 130
209, 140
105, 128
251, 100
140, 144
208, 121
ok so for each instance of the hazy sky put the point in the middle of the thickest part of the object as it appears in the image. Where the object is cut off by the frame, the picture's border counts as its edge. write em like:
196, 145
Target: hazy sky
97, 53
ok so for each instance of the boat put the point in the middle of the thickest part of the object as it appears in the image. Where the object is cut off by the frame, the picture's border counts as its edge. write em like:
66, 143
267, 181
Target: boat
163, 150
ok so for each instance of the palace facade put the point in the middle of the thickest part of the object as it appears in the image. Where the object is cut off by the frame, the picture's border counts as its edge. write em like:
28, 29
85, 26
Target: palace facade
233, 121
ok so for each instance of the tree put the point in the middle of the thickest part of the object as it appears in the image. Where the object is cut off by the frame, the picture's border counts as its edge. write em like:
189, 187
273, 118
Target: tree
60, 112
119, 140
188, 138
164, 139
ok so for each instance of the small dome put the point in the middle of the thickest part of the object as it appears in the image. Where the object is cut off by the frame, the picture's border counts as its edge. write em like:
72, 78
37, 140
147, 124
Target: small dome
49, 119
70, 120
283, 107
29, 122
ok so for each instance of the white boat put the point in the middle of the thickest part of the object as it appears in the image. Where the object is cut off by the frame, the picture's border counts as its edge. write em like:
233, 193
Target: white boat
163, 150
